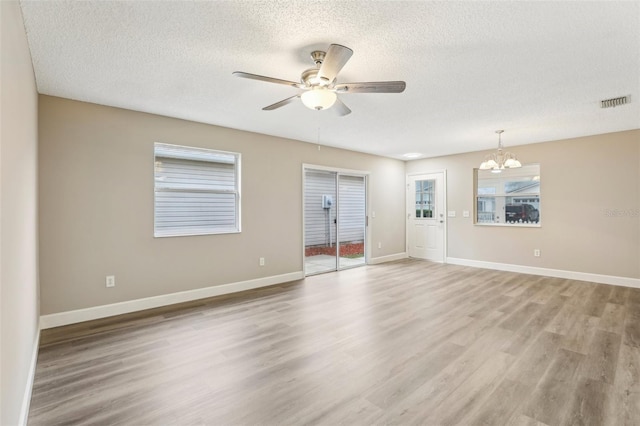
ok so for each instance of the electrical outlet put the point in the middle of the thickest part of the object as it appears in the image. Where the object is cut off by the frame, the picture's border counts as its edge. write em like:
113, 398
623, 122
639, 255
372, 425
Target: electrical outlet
536, 252
111, 281
262, 261
379, 245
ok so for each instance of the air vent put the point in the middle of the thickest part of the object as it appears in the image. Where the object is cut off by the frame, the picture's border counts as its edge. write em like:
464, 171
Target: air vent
614, 102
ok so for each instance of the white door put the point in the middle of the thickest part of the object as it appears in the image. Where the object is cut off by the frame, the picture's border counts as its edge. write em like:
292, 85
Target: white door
426, 216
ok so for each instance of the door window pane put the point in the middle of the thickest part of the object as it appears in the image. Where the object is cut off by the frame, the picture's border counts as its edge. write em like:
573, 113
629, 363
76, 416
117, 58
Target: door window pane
418, 204
351, 220
425, 192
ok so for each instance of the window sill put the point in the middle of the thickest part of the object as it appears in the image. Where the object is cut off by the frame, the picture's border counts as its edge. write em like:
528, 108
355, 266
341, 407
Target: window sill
511, 225
195, 234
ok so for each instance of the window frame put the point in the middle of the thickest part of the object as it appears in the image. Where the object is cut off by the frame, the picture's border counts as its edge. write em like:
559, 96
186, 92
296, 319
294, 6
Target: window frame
204, 152
501, 197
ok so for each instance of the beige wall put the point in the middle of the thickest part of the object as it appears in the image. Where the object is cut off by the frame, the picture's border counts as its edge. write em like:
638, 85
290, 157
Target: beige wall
18, 222
96, 206
580, 179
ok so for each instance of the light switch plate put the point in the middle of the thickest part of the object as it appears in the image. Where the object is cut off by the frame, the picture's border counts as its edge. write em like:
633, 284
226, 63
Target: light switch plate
465, 213
451, 213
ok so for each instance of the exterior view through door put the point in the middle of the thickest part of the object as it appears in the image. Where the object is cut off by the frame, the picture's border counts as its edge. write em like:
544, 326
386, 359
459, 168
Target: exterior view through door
426, 216
334, 221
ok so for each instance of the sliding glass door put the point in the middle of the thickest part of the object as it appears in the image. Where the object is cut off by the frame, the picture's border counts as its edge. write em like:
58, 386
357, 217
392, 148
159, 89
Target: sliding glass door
351, 221
335, 220
320, 221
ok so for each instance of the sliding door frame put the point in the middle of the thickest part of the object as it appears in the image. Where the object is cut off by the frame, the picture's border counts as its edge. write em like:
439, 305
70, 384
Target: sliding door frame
367, 229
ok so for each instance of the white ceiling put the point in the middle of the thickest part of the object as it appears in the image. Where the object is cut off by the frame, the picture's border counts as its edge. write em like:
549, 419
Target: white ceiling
536, 69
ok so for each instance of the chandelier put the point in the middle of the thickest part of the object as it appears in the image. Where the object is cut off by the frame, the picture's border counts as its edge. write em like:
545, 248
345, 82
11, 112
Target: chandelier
500, 160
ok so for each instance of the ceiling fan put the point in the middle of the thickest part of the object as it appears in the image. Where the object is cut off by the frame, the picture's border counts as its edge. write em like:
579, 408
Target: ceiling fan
319, 86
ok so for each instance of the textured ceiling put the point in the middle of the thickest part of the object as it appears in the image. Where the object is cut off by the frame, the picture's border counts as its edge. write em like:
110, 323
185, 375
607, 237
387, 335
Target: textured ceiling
536, 69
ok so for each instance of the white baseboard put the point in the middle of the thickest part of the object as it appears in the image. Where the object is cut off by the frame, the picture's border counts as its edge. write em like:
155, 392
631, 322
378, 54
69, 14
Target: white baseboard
26, 398
96, 312
388, 258
557, 273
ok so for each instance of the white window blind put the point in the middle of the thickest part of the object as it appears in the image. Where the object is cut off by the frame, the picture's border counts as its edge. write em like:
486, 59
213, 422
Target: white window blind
197, 191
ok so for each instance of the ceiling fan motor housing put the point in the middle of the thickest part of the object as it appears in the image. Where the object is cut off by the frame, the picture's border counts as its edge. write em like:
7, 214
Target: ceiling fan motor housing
310, 78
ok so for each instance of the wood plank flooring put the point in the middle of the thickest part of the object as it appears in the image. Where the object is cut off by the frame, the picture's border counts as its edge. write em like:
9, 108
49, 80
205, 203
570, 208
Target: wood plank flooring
406, 342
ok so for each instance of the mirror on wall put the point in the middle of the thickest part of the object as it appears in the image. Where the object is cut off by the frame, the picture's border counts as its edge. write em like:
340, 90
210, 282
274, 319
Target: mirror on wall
508, 198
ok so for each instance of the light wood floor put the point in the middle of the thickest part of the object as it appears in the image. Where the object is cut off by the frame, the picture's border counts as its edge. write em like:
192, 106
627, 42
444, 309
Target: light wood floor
407, 342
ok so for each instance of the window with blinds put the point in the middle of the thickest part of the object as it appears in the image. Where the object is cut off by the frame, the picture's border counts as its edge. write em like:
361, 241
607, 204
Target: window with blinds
197, 191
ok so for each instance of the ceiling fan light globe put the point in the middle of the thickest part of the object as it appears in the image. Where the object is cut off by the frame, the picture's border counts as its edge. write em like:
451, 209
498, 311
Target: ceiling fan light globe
318, 99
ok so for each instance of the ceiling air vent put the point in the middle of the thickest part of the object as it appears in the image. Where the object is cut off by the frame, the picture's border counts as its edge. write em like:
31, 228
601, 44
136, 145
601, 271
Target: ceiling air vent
614, 102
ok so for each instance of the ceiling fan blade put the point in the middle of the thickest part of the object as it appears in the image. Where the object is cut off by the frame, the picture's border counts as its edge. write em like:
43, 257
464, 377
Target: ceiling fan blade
281, 103
267, 79
372, 87
335, 58
341, 108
